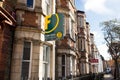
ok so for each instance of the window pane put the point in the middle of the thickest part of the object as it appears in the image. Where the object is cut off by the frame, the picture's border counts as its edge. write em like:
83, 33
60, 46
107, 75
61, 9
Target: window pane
46, 53
63, 71
26, 51
25, 70
63, 59
45, 69
30, 3
81, 21
47, 6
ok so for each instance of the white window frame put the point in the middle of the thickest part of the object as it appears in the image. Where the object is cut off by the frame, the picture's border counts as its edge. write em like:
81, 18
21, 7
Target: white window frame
30, 61
71, 65
47, 7
71, 29
46, 62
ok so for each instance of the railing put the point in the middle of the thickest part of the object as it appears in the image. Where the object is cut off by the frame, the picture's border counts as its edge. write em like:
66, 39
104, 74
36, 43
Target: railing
31, 78
8, 8
98, 76
34, 78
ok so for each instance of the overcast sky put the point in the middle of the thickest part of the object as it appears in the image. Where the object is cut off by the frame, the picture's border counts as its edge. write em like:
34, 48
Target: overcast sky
98, 11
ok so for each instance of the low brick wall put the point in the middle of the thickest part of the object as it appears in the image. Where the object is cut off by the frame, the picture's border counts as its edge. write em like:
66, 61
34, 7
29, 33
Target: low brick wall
98, 76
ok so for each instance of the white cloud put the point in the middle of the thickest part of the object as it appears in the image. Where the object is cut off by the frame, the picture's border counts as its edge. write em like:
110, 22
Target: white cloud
97, 6
103, 51
98, 11
99, 41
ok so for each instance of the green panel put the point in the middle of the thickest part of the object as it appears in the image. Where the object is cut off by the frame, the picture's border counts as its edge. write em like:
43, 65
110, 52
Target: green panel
58, 32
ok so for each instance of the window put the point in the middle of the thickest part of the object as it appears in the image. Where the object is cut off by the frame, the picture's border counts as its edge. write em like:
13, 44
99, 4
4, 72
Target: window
26, 60
30, 3
82, 45
71, 30
63, 65
47, 5
71, 65
46, 61
81, 22
81, 48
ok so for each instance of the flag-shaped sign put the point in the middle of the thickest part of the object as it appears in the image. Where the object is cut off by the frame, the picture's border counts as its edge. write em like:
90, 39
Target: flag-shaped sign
54, 29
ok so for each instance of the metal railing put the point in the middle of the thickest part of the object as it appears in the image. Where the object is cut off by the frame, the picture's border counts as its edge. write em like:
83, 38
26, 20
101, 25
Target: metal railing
98, 76
31, 78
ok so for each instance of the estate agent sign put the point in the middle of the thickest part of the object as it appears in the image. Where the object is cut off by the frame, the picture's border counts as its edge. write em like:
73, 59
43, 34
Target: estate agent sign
54, 29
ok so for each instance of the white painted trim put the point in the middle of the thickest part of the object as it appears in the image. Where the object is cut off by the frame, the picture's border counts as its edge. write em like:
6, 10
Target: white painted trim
66, 51
30, 65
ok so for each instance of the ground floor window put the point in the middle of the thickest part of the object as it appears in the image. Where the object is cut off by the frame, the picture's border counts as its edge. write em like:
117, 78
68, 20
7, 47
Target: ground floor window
63, 65
26, 60
46, 62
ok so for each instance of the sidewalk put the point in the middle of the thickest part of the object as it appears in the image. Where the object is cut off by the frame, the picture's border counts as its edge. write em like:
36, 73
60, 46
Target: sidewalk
108, 77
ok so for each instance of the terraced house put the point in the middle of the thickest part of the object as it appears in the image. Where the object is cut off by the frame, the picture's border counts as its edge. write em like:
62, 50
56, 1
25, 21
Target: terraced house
7, 27
33, 57
83, 42
25, 51
66, 50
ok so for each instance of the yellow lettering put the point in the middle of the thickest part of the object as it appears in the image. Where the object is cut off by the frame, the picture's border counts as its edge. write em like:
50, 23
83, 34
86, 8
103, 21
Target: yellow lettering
47, 21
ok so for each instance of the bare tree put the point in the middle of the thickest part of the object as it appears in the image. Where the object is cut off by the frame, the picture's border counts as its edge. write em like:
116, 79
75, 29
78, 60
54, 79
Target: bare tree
111, 30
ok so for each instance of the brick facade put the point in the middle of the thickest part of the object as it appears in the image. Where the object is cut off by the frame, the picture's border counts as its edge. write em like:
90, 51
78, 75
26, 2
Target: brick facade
7, 26
30, 19
68, 57
5, 51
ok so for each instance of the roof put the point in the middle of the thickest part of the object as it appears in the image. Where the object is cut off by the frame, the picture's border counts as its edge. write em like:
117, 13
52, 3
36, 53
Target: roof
80, 11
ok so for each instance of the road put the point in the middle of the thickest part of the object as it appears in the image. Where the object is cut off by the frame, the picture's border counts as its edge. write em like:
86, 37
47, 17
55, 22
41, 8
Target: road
108, 77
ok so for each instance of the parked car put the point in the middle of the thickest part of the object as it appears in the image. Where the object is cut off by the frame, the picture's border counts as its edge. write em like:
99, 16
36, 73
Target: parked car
108, 70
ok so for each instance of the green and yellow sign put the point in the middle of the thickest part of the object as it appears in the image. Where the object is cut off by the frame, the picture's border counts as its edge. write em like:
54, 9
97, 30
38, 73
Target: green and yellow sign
54, 27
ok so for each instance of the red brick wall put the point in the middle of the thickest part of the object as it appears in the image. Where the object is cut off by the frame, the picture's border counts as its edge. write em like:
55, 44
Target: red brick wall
63, 3
1, 67
30, 19
5, 51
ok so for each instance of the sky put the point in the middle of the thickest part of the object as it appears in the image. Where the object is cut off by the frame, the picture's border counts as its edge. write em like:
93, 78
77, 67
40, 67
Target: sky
98, 11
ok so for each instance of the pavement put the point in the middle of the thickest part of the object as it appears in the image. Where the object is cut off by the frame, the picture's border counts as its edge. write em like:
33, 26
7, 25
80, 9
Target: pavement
108, 77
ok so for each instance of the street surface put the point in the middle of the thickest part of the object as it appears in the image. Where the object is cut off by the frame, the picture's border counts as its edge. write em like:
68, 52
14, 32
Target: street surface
108, 77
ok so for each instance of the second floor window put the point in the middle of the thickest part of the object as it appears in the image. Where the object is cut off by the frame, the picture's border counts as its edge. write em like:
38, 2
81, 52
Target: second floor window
71, 30
82, 46
47, 5
81, 22
30, 3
